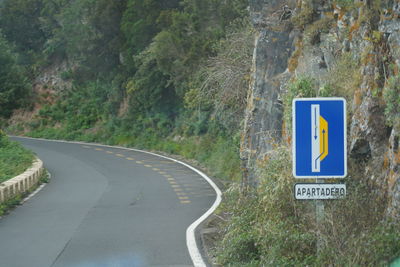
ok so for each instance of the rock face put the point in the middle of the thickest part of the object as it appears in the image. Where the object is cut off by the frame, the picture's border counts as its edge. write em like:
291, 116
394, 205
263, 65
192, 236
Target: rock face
366, 33
273, 47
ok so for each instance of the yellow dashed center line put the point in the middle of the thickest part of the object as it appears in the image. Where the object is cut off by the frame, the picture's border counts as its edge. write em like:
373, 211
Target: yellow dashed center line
182, 196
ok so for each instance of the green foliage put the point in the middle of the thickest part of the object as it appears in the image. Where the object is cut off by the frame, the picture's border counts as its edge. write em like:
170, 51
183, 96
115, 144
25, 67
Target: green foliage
20, 22
139, 25
304, 87
391, 95
299, 87
221, 84
14, 91
268, 227
14, 159
130, 64
149, 89
9, 204
78, 110
86, 32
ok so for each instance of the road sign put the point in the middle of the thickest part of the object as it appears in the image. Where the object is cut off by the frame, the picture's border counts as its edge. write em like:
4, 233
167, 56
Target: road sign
319, 138
319, 191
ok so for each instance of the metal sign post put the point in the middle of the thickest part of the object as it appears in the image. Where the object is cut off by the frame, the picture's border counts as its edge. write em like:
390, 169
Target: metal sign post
319, 214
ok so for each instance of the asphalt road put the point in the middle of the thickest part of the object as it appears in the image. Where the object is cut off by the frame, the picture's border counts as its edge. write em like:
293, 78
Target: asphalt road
104, 207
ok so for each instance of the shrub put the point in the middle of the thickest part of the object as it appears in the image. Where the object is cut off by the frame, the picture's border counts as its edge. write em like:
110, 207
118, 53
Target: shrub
14, 86
299, 87
14, 159
268, 227
391, 95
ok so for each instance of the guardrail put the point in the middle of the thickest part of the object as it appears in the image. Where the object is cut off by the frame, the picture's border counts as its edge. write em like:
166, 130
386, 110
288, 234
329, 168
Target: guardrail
21, 183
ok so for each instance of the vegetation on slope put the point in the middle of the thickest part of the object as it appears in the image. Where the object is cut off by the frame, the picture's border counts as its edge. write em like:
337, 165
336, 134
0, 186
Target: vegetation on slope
14, 159
268, 227
165, 75
172, 76
14, 86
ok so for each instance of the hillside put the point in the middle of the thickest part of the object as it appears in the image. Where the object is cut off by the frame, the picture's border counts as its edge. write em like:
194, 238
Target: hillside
170, 76
214, 81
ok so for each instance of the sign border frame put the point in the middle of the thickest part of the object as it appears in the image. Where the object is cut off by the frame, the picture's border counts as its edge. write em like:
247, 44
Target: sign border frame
294, 137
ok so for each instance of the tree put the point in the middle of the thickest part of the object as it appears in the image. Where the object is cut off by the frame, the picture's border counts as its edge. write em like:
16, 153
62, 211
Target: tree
14, 87
20, 23
139, 25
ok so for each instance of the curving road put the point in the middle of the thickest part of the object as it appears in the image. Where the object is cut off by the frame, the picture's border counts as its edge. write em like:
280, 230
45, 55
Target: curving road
104, 207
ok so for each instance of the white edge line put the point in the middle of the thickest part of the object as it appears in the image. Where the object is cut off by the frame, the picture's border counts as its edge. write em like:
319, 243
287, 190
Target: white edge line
191, 243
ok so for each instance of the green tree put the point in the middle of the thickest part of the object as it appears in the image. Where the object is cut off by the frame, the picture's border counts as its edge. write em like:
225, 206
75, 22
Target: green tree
20, 23
86, 33
189, 36
139, 25
14, 87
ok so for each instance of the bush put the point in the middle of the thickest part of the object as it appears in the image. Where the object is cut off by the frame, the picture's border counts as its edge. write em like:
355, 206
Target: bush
14, 87
268, 227
391, 95
14, 159
299, 87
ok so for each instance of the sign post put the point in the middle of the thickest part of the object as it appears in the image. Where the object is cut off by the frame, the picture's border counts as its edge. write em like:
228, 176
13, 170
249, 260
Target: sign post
319, 150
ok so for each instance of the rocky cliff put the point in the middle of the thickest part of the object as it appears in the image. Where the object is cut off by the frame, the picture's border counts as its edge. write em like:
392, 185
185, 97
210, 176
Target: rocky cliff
347, 48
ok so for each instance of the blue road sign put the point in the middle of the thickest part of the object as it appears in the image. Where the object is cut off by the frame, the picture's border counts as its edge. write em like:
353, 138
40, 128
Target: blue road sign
319, 138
